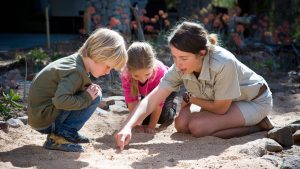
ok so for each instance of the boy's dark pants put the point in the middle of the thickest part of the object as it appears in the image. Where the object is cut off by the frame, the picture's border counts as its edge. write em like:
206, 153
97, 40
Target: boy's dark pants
68, 123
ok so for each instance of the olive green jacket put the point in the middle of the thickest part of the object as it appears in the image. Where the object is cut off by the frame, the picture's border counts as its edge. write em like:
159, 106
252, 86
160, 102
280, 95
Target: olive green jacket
59, 86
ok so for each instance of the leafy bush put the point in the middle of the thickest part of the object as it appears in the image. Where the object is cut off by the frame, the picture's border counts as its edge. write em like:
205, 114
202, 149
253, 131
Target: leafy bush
10, 100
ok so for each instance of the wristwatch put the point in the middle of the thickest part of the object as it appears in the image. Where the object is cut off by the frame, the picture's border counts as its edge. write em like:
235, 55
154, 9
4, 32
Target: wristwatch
186, 96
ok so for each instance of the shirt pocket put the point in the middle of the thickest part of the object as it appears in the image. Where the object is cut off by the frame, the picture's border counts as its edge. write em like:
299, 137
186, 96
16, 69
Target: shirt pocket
207, 90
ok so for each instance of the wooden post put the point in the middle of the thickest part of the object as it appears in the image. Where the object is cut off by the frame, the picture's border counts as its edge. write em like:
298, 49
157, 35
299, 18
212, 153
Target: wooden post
47, 26
140, 33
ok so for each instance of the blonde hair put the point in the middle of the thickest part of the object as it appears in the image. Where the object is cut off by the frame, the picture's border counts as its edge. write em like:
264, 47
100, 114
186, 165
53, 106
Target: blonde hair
140, 56
105, 45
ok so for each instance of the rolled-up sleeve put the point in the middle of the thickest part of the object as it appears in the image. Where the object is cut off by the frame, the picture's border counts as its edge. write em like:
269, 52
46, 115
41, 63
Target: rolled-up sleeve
172, 80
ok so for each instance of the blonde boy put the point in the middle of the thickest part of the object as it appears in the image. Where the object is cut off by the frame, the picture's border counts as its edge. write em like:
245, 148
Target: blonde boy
62, 97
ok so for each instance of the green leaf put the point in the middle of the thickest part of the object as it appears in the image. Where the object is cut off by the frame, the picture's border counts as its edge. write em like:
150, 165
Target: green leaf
16, 104
16, 97
11, 93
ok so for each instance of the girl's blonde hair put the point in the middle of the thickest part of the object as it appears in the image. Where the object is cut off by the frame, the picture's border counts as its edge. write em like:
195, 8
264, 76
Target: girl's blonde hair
105, 45
140, 56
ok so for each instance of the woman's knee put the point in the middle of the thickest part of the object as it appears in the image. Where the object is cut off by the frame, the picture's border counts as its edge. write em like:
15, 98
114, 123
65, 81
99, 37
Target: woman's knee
199, 128
182, 120
181, 125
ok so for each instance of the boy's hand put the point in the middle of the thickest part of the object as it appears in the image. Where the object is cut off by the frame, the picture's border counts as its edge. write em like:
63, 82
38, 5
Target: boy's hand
94, 90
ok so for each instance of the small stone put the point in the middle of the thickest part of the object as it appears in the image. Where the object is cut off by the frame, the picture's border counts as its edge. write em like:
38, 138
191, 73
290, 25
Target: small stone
273, 146
24, 119
296, 136
171, 160
4, 126
283, 136
15, 123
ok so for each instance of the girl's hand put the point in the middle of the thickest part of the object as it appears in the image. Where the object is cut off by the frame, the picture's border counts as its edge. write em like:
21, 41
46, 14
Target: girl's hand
94, 90
144, 129
123, 137
139, 129
149, 130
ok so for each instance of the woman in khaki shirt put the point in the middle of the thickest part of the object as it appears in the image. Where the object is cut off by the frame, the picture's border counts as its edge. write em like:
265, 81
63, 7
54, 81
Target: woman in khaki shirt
225, 98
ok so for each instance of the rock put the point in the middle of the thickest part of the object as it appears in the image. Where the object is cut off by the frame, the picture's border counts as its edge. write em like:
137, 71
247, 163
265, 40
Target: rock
291, 162
255, 148
283, 136
296, 122
275, 160
15, 123
4, 126
273, 146
101, 111
294, 127
117, 108
296, 136
24, 119
114, 98
171, 160
103, 105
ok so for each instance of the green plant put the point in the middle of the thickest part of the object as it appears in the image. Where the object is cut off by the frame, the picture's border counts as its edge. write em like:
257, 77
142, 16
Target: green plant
9, 101
38, 55
4, 111
225, 3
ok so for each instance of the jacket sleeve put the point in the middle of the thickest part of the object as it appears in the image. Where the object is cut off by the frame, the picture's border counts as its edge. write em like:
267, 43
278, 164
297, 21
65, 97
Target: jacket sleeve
70, 94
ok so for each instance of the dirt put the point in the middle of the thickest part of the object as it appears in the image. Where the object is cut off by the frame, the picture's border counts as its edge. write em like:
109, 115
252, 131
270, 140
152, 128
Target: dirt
22, 147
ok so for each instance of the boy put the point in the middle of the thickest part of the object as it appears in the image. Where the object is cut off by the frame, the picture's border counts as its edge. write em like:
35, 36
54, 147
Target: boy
62, 97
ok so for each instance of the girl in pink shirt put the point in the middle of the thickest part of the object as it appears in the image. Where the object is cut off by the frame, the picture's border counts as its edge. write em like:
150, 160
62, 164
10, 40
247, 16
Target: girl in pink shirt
141, 75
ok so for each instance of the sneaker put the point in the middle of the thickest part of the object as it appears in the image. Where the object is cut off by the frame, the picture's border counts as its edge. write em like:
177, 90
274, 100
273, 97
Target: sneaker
74, 137
81, 139
55, 142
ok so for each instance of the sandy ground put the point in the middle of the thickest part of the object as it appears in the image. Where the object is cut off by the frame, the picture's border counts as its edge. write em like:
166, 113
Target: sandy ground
22, 147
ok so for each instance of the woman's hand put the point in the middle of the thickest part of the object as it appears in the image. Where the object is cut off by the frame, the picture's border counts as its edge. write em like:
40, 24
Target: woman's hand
123, 137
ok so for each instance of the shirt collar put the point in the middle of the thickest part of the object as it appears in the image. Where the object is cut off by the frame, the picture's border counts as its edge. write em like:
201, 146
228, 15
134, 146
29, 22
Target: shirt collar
205, 75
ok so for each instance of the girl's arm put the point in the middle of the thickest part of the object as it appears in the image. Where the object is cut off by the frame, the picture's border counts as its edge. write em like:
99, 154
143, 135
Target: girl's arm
141, 111
154, 120
131, 106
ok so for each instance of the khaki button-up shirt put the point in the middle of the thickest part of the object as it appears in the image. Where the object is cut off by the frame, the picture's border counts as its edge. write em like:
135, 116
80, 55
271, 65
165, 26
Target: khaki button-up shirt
222, 77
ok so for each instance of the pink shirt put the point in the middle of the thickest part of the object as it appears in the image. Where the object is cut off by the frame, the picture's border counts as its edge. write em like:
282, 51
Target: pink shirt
159, 71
